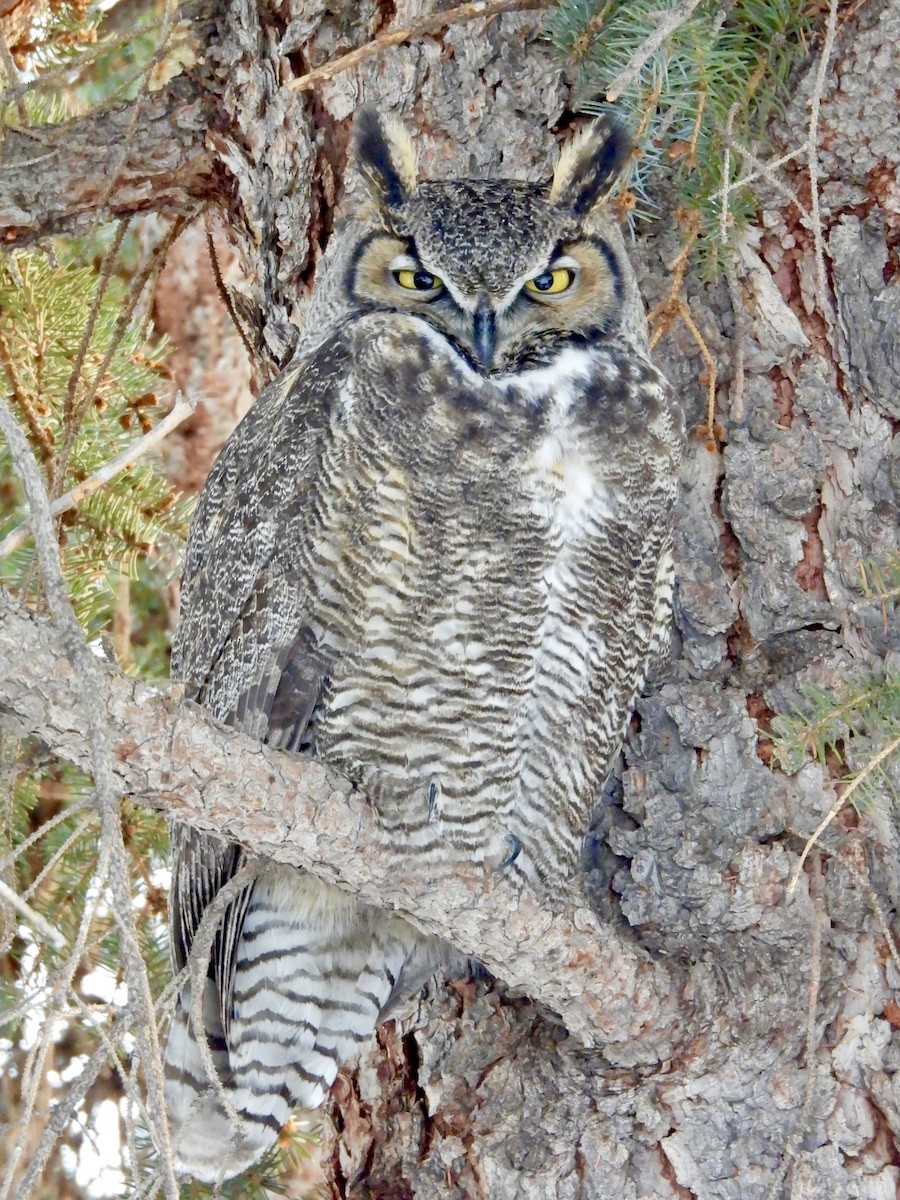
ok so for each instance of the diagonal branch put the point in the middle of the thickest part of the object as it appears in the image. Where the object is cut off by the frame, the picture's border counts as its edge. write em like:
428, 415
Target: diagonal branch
669, 22
169, 755
55, 177
179, 414
110, 867
433, 24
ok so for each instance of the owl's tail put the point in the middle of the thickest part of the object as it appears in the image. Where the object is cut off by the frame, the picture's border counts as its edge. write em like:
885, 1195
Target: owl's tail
313, 971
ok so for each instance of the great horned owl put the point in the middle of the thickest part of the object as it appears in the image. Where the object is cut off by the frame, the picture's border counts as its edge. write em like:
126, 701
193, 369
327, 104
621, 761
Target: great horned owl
436, 555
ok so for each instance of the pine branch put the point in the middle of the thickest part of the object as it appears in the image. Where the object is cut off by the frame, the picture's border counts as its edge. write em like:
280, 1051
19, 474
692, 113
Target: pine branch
82, 432
671, 21
8, 896
103, 277
884, 755
173, 757
111, 867
149, 270
698, 81
179, 414
49, 180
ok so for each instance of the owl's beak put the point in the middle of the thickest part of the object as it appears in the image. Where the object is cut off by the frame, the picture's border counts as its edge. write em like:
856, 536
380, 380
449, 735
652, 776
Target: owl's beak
484, 328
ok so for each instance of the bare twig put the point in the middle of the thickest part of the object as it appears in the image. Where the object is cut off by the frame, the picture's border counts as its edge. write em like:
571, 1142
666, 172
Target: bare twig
695, 132
27, 1006
62, 985
812, 150
201, 951
741, 331
179, 414
33, 918
48, 551
663, 315
10, 857
225, 293
761, 170
712, 373
59, 852
148, 1189
872, 765
12, 74
145, 1029
726, 175
88, 1018
38, 432
863, 881
103, 277
396, 37
672, 20
111, 869
880, 595
61, 1115
151, 267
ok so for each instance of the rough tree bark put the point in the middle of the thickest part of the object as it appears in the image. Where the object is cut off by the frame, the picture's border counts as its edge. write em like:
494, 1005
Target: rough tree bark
171, 755
482, 1092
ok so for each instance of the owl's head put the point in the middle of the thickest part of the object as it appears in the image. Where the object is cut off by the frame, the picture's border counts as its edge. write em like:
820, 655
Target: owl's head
509, 272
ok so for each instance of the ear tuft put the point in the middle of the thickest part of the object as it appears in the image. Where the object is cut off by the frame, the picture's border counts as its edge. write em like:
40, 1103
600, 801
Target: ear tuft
385, 158
589, 166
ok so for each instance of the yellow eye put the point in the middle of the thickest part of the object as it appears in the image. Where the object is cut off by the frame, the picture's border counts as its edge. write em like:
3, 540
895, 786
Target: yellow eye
551, 283
418, 281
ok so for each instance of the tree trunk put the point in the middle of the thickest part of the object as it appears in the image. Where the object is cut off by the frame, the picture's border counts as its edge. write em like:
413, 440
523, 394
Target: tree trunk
791, 1087
480, 1093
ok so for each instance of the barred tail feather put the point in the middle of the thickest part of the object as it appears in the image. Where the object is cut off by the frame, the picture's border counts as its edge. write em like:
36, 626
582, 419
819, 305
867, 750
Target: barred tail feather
206, 1143
313, 971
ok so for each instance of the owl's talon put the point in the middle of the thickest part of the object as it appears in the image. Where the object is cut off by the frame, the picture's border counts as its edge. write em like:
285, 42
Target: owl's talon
515, 844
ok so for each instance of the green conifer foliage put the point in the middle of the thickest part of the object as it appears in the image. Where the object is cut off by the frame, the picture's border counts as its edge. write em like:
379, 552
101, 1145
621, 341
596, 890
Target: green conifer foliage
81, 404
721, 72
852, 732
85, 382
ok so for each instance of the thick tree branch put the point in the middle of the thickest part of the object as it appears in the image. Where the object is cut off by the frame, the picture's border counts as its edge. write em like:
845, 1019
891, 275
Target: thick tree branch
168, 754
55, 177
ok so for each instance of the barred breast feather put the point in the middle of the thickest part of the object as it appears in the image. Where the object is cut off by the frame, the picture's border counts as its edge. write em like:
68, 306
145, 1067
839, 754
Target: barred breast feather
448, 618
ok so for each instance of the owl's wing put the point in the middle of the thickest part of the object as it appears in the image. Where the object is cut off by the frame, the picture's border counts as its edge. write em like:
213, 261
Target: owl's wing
269, 459
241, 647
300, 971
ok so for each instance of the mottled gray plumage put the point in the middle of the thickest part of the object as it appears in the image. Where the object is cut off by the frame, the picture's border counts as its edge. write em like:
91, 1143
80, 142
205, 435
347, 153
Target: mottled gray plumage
435, 554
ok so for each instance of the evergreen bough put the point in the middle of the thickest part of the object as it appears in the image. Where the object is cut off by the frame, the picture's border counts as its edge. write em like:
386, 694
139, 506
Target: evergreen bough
722, 72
